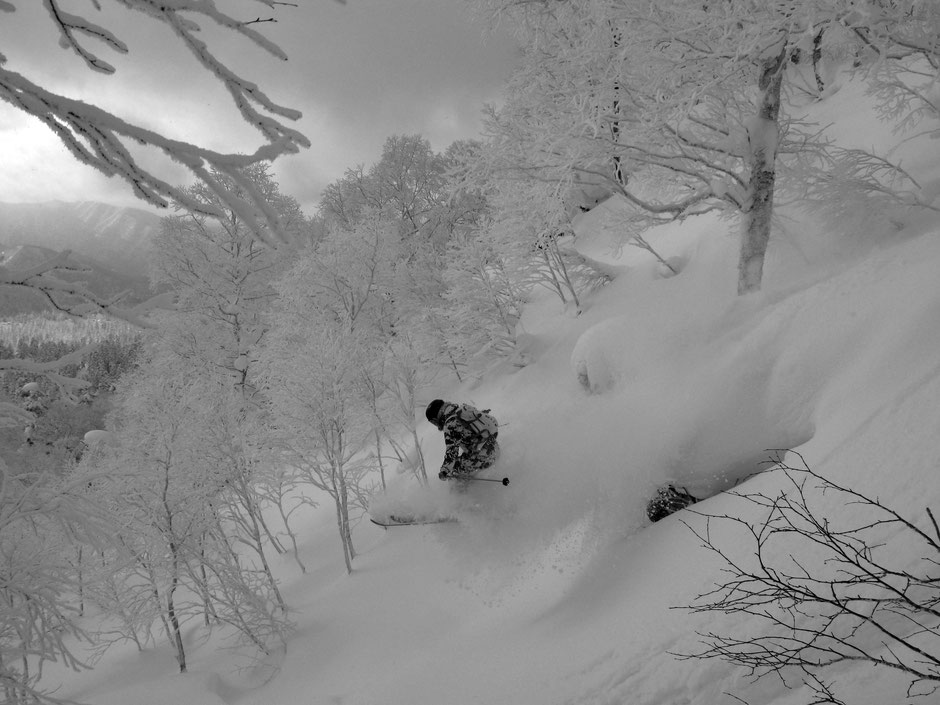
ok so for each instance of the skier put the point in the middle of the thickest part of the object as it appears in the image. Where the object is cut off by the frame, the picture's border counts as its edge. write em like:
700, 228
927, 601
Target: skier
469, 438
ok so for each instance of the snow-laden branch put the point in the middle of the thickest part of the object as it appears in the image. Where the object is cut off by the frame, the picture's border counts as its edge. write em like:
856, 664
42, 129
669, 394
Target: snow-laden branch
72, 25
102, 140
98, 138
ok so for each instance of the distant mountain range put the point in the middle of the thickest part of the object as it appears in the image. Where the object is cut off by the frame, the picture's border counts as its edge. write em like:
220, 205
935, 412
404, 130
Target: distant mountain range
117, 236
113, 243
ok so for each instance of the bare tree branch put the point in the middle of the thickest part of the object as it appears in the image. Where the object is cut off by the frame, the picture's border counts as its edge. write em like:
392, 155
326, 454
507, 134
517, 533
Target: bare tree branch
827, 590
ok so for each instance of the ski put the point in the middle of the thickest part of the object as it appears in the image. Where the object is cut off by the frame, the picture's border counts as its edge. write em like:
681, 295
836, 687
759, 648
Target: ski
504, 482
411, 521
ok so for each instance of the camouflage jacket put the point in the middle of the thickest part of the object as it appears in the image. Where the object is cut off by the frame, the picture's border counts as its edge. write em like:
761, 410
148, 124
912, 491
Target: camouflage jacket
464, 451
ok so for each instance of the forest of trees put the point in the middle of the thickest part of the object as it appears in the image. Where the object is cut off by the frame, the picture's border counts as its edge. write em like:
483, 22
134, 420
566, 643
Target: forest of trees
290, 362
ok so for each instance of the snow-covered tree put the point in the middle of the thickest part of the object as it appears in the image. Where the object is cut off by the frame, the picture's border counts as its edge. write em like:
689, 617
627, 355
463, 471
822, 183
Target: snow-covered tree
42, 514
235, 442
530, 227
393, 387
411, 185
175, 555
73, 299
655, 99
222, 277
112, 145
428, 204
221, 274
409, 180
405, 376
314, 376
484, 295
675, 105
419, 304
407, 183
331, 327
117, 147
346, 277
902, 42
163, 503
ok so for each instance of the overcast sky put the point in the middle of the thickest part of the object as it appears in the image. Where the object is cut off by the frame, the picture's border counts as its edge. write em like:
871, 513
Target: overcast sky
359, 72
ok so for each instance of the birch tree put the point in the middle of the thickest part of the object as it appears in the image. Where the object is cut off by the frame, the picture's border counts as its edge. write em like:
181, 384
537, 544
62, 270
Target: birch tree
40, 516
407, 184
902, 42
165, 502
173, 554
405, 376
332, 321
484, 295
676, 106
222, 277
655, 99
314, 373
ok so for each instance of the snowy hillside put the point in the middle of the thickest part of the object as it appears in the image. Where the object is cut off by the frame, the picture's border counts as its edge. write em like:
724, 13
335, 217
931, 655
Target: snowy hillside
556, 590
119, 237
102, 279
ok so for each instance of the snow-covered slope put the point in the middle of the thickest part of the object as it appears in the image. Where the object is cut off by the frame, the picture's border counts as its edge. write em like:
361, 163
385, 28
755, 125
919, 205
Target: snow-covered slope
556, 590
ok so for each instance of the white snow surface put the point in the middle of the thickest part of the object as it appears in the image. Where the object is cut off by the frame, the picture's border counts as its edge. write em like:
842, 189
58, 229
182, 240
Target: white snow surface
556, 590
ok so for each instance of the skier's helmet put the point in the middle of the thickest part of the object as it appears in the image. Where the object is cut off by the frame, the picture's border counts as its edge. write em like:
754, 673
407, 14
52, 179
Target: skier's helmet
433, 411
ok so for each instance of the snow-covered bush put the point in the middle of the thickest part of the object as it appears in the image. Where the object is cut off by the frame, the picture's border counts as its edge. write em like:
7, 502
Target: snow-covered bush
594, 364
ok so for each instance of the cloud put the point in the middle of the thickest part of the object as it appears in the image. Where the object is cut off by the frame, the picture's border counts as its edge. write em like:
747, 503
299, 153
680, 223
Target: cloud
359, 72
36, 168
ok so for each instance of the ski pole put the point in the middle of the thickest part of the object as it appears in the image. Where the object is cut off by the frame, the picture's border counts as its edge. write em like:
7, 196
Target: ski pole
504, 482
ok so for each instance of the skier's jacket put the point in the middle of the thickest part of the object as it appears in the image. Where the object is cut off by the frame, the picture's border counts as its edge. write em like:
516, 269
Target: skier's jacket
469, 439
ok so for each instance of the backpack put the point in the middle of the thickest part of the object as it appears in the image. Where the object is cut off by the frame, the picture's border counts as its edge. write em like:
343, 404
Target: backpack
480, 423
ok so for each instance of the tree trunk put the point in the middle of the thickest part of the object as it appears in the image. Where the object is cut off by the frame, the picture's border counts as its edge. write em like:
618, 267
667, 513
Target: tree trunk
258, 546
345, 530
763, 134
344, 536
378, 457
173, 630
81, 583
208, 609
817, 59
620, 175
176, 636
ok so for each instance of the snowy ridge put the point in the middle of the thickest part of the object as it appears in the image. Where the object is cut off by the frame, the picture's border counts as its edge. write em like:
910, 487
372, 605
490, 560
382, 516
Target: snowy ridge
119, 237
556, 590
